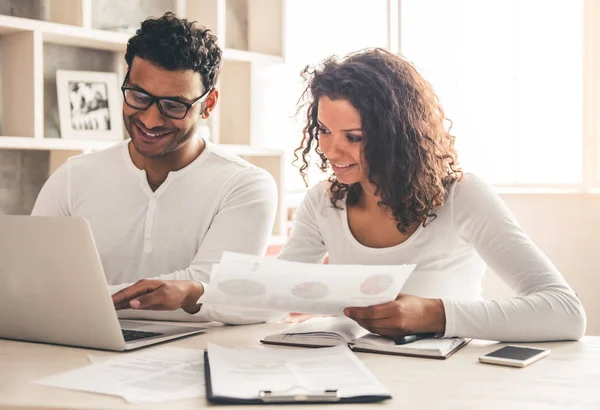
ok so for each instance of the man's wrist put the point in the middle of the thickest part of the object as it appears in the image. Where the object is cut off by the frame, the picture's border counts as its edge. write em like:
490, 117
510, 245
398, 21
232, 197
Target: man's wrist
195, 291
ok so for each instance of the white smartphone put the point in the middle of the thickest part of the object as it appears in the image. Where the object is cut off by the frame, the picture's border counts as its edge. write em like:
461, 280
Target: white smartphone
515, 356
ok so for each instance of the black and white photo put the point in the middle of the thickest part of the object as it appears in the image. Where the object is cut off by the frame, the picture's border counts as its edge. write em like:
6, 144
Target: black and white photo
89, 105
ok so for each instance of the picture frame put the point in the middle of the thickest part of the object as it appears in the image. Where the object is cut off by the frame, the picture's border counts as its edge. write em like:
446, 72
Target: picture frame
89, 105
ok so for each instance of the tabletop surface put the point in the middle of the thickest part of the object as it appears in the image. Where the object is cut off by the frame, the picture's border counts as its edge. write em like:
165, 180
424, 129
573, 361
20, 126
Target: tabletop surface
568, 378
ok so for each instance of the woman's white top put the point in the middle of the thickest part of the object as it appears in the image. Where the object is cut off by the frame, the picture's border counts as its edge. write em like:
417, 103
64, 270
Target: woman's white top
473, 228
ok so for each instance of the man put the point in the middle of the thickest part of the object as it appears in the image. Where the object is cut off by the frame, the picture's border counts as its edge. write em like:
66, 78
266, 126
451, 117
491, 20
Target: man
166, 203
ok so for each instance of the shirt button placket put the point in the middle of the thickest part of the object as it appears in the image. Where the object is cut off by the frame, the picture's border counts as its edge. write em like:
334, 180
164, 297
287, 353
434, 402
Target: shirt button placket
149, 225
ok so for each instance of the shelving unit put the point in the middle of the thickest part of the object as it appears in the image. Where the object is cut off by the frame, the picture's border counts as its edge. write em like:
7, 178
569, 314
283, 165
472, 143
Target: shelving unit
250, 31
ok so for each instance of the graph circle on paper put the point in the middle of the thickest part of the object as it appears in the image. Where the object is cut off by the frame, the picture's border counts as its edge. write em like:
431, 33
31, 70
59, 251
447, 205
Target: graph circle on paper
376, 284
242, 287
310, 290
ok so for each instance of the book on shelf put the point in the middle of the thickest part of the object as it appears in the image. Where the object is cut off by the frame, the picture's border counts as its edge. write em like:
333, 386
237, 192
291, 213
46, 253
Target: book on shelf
333, 331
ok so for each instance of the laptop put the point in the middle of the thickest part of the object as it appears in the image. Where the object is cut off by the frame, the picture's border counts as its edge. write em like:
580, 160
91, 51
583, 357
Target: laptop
53, 289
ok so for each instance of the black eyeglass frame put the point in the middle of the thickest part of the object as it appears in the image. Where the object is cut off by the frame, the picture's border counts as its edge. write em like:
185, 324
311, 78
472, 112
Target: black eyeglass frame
154, 99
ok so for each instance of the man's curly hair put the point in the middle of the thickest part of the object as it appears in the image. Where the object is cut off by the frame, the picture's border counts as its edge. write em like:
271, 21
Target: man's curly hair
408, 148
177, 44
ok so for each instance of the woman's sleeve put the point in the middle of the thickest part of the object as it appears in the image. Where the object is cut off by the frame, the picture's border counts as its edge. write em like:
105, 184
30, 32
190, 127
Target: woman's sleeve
306, 243
545, 307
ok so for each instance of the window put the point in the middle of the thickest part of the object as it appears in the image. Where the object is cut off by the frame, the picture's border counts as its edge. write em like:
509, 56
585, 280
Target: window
316, 29
509, 74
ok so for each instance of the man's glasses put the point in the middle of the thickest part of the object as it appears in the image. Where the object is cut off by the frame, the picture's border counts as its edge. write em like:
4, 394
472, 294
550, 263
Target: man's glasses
169, 107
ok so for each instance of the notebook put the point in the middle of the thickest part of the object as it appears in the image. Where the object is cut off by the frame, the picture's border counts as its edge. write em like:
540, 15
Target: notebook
265, 375
333, 331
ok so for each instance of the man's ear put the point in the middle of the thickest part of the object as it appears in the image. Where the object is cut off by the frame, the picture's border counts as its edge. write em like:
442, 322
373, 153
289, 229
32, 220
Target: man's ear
210, 103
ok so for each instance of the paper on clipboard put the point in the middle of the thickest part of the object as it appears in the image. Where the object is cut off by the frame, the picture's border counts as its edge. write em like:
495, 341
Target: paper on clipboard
238, 374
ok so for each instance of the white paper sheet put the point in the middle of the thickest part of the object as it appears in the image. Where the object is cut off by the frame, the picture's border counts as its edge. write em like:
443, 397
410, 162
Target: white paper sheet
147, 377
267, 283
244, 372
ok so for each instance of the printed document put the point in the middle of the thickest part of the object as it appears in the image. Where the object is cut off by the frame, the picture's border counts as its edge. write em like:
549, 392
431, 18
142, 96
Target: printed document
147, 377
244, 372
268, 283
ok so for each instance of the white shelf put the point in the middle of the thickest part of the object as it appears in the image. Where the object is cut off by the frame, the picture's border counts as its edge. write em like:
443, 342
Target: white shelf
53, 144
63, 34
9, 24
59, 144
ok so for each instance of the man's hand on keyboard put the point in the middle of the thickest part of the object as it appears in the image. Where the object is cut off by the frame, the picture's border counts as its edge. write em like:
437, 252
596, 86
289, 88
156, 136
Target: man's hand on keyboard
156, 294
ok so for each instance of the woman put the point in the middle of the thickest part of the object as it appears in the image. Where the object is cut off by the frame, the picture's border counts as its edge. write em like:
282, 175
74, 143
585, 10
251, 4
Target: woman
396, 195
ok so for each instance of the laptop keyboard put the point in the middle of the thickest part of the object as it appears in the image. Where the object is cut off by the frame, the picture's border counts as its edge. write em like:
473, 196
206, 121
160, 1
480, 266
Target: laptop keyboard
130, 335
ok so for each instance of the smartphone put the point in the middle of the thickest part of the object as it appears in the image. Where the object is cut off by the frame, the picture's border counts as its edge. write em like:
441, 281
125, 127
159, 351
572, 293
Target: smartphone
515, 356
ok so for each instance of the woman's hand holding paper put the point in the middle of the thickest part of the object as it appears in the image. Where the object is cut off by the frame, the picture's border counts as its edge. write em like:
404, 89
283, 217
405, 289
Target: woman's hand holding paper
406, 315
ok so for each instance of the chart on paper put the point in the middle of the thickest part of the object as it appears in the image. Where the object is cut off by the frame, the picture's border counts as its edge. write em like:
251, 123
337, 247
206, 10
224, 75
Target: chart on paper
267, 283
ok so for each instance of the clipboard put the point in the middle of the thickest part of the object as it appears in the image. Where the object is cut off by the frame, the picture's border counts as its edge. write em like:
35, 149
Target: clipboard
285, 397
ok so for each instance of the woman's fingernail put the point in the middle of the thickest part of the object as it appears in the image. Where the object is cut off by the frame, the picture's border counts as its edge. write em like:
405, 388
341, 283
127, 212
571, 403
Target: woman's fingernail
134, 303
347, 312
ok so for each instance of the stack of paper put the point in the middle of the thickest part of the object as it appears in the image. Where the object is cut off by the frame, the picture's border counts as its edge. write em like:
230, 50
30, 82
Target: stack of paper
152, 376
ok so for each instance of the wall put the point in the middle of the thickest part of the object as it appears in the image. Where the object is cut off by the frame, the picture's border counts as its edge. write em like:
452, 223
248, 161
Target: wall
567, 228
127, 15
23, 8
22, 174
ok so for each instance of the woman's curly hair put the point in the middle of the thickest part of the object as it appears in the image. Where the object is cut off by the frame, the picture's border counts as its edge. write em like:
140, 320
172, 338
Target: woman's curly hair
408, 148
177, 44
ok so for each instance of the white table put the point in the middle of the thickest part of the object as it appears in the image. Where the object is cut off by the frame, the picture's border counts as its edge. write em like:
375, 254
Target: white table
568, 379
